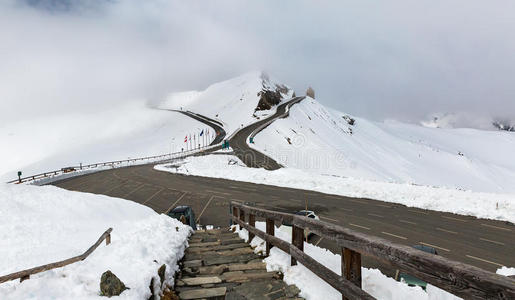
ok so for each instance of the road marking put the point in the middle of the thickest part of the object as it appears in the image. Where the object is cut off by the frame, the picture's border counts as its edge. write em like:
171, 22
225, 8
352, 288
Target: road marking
379, 216
359, 226
394, 235
177, 201
211, 191
295, 200
456, 219
210, 199
383, 205
445, 230
409, 222
434, 246
328, 219
418, 212
321, 238
480, 259
136, 189
357, 201
153, 195
110, 190
492, 226
346, 209
495, 242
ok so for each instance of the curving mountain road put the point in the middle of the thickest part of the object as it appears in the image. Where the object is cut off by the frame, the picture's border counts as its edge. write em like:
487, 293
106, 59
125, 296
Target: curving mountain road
216, 125
251, 157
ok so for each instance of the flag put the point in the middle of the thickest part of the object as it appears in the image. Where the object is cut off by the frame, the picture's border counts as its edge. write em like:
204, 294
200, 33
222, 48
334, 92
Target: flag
186, 139
202, 132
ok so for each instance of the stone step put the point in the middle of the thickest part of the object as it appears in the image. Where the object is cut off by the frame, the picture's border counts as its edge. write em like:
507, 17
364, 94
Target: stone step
217, 248
207, 293
206, 244
240, 276
198, 280
221, 260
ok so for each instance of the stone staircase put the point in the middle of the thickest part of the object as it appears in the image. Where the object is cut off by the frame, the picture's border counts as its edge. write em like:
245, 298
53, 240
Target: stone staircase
220, 265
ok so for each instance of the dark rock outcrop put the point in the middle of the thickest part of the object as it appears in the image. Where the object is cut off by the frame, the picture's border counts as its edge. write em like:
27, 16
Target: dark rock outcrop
267, 99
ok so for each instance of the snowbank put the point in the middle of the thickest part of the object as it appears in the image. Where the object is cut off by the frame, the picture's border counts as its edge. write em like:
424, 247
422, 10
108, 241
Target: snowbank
40, 225
481, 205
506, 271
324, 141
313, 288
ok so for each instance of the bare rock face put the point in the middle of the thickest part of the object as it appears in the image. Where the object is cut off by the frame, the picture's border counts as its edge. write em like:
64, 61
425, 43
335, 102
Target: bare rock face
271, 93
506, 126
110, 285
310, 92
268, 99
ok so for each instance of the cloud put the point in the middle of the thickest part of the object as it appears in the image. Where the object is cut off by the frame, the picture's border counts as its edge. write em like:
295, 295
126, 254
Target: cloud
395, 59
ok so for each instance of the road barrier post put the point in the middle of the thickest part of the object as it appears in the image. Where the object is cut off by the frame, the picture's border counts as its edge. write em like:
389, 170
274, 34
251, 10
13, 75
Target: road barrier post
297, 239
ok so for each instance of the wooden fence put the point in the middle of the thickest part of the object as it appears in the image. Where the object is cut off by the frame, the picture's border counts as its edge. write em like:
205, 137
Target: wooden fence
25, 274
460, 279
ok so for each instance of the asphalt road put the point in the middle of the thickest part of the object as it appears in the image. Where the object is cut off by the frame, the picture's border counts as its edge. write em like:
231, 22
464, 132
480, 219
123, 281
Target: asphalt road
251, 157
216, 125
483, 243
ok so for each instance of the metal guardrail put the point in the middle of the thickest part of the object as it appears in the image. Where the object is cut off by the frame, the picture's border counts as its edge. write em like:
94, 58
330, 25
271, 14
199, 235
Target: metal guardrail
25, 274
71, 169
457, 278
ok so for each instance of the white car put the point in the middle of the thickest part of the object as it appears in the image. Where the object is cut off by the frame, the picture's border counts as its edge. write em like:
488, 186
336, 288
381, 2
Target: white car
307, 213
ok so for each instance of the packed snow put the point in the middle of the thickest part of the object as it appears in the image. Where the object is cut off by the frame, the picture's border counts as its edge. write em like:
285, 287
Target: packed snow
327, 142
232, 102
481, 205
41, 225
506, 271
129, 131
314, 288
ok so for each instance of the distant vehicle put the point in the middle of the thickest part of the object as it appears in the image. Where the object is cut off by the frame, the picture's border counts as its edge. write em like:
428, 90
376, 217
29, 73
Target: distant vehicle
185, 211
412, 280
306, 213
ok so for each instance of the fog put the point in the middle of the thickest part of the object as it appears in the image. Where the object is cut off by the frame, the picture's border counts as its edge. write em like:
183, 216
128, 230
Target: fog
381, 60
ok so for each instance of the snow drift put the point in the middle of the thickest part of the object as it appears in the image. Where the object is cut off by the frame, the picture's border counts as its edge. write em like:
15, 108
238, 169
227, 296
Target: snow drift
40, 225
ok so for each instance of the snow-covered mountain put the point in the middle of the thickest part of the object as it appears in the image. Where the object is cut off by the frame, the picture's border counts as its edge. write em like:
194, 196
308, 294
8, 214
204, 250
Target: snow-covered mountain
313, 138
329, 142
467, 120
235, 102
133, 129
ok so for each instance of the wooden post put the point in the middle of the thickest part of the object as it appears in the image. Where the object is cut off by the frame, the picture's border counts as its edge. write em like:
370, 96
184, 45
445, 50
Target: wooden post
351, 267
297, 239
108, 239
252, 222
270, 229
242, 215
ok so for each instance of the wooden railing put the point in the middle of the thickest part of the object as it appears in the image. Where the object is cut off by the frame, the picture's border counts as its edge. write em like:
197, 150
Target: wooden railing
457, 278
25, 274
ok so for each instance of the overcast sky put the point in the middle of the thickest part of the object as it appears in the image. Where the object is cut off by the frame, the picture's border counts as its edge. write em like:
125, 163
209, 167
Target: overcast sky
376, 59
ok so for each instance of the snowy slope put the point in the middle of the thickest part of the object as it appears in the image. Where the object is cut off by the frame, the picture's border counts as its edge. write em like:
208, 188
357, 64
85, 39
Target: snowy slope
232, 101
41, 225
320, 140
49, 143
